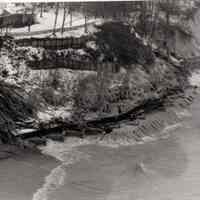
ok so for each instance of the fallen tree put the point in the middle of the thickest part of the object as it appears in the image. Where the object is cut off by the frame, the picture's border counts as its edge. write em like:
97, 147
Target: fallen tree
13, 108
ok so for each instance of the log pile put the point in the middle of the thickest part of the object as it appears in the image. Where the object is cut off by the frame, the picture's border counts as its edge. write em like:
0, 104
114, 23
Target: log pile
91, 127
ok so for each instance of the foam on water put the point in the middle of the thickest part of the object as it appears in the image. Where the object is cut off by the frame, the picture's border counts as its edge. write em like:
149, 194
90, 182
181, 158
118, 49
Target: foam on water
65, 152
183, 113
195, 78
52, 182
172, 127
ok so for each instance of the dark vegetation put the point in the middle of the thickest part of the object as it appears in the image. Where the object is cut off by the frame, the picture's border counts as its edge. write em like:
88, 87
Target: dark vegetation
17, 20
118, 44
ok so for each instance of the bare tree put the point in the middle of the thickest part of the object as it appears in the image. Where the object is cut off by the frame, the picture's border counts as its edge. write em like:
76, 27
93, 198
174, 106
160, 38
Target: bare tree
86, 28
64, 17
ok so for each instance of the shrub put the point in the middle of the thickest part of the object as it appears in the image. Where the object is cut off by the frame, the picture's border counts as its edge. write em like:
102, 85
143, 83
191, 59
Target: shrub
117, 43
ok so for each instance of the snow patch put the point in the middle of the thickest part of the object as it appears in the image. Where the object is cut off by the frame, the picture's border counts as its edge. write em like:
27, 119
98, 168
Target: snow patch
183, 113
54, 112
171, 128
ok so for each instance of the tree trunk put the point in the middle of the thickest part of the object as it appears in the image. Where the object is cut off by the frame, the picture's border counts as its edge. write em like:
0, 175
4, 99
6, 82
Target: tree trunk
155, 17
86, 30
56, 17
70, 19
64, 17
41, 9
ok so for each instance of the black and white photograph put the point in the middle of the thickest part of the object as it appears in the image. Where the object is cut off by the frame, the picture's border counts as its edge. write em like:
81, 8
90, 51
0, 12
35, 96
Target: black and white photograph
100, 100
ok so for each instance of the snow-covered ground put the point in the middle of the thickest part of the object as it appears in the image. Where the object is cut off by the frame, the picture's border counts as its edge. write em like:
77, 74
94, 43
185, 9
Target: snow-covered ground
47, 21
45, 25
55, 112
73, 32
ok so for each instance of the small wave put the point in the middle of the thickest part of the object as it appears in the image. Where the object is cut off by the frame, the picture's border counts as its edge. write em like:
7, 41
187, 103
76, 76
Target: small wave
170, 128
116, 142
64, 152
182, 114
52, 182
143, 169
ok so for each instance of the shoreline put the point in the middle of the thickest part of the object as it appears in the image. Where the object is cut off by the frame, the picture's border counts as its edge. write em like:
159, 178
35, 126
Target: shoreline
7, 151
